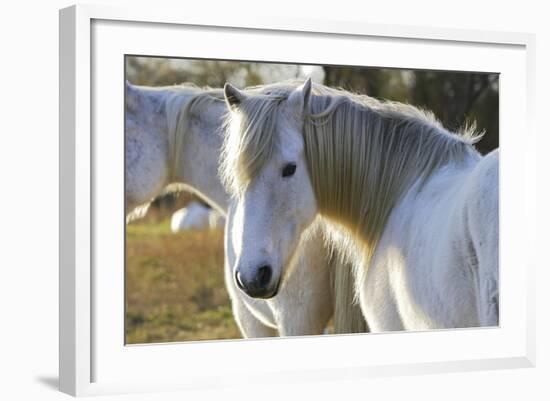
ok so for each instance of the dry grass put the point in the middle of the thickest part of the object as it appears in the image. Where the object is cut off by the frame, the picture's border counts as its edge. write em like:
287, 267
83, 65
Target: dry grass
175, 289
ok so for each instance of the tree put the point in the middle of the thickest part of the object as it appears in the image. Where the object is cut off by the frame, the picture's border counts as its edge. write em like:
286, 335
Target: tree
456, 98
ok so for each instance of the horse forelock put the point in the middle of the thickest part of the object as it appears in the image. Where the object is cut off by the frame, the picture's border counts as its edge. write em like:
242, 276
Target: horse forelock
250, 139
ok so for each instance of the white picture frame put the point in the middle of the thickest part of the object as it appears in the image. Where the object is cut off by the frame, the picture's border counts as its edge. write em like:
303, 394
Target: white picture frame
93, 357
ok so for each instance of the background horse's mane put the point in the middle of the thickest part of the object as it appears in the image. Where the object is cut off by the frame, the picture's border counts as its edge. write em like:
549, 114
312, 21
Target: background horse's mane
363, 154
185, 104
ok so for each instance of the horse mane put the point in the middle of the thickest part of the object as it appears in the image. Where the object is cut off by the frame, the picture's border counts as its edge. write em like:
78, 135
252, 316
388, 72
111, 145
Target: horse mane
184, 105
363, 154
178, 107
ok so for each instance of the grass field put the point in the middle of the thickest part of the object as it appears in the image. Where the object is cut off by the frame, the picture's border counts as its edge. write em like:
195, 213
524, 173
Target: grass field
175, 289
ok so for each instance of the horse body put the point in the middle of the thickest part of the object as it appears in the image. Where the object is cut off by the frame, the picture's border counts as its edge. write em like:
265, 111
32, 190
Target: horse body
425, 272
412, 205
159, 155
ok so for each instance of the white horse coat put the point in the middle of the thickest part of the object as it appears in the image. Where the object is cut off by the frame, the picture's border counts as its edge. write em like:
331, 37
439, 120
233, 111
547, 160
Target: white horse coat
414, 206
195, 216
438, 267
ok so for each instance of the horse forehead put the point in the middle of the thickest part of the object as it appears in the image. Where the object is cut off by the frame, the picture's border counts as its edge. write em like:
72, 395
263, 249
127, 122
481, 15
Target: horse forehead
290, 151
291, 142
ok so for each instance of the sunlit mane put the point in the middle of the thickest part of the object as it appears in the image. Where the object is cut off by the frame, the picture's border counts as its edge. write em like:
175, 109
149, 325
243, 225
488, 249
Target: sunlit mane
363, 154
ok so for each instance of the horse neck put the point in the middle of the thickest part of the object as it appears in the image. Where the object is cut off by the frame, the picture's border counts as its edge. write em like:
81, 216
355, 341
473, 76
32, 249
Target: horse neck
358, 190
196, 164
146, 145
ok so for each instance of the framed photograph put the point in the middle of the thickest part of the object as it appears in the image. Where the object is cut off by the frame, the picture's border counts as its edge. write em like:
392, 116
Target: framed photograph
180, 299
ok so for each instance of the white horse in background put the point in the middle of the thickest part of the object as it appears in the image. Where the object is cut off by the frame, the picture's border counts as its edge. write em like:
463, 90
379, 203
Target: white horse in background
174, 136
195, 216
413, 205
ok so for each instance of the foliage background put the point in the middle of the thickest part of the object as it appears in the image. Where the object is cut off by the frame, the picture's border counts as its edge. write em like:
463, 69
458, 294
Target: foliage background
174, 282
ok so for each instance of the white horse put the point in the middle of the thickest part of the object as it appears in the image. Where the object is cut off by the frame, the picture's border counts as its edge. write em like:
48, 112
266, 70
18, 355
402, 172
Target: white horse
195, 216
174, 136
413, 205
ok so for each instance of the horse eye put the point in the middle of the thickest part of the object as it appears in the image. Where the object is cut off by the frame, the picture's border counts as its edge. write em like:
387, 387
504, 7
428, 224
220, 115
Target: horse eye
289, 169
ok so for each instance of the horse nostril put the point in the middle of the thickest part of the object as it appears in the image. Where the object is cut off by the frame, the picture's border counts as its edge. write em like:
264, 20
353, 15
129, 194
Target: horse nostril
264, 275
238, 280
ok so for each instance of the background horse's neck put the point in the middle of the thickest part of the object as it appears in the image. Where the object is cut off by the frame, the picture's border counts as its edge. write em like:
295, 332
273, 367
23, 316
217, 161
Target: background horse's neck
173, 137
146, 147
196, 164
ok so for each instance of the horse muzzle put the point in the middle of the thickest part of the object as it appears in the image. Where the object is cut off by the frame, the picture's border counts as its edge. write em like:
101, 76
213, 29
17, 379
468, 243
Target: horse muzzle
259, 283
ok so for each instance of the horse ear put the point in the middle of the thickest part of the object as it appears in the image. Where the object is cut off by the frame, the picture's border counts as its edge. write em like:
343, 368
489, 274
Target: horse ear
233, 96
299, 98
